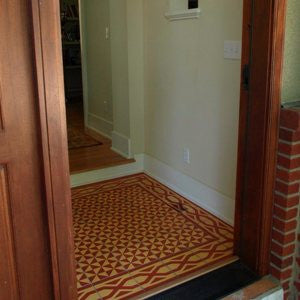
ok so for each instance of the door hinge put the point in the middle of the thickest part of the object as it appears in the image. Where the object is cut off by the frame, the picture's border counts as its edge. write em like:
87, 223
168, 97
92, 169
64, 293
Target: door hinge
246, 77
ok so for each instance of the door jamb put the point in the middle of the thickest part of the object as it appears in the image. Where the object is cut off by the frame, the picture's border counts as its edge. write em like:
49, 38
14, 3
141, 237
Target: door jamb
82, 24
47, 41
258, 133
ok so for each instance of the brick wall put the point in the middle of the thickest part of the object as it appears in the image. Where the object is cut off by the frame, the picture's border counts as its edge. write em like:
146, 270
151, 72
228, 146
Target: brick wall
297, 271
285, 235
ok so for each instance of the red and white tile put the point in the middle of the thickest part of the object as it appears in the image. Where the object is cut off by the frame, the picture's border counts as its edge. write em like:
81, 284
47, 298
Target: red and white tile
134, 236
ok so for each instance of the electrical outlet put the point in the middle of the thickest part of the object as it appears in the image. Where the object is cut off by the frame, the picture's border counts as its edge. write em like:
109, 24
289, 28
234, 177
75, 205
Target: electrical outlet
186, 155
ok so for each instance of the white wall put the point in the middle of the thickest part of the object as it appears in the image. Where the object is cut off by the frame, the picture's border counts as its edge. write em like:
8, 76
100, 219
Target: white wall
173, 89
192, 93
107, 79
120, 80
136, 61
97, 77
291, 69
119, 63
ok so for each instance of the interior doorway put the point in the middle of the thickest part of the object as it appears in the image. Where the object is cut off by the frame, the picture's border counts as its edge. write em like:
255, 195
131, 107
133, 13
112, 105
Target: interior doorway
134, 54
34, 163
134, 235
89, 146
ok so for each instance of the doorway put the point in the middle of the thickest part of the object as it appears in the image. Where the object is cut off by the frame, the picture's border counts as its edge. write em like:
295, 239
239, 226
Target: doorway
53, 142
134, 235
88, 90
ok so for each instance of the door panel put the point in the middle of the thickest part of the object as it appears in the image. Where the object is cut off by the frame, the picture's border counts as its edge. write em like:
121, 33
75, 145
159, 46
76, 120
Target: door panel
1, 118
25, 270
8, 276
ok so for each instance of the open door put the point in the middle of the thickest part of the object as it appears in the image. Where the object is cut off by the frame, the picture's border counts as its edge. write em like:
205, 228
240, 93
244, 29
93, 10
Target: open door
24, 242
36, 243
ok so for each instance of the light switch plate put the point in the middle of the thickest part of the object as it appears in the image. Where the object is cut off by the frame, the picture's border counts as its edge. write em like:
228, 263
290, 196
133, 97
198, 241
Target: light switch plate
186, 155
232, 50
107, 33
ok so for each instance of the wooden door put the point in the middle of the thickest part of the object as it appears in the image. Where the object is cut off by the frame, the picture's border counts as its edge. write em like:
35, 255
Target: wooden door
31, 262
24, 246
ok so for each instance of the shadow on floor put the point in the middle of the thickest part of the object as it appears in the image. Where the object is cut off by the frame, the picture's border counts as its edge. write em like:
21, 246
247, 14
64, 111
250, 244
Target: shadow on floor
214, 285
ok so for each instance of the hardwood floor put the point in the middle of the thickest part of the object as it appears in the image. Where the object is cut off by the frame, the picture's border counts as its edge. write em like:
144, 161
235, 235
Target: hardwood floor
90, 158
93, 158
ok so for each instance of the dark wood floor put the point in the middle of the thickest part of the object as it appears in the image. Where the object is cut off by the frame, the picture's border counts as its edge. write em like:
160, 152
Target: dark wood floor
90, 158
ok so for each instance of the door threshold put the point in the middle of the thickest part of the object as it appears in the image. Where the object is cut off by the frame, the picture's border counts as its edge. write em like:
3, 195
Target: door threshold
183, 281
214, 285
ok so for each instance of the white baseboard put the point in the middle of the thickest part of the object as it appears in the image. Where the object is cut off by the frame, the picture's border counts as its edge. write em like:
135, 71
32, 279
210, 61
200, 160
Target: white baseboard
109, 173
121, 144
100, 125
205, 197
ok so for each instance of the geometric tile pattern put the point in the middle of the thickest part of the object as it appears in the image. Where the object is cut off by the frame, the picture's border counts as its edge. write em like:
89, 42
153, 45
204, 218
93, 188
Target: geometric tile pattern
134, 236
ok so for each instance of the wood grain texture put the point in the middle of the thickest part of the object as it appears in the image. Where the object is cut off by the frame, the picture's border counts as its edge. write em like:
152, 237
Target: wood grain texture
259, 131
243, 115
20, 153
8, 277
94, 158
49, 71
1, 116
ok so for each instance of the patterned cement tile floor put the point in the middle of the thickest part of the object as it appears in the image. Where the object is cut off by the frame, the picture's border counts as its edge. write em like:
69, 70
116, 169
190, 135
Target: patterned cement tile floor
135, 237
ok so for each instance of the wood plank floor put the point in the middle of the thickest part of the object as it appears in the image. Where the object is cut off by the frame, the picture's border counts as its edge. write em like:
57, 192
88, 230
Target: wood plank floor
90, 158
94, 158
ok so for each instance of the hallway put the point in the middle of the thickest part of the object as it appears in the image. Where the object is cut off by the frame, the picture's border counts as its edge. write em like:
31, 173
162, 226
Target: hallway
88, 150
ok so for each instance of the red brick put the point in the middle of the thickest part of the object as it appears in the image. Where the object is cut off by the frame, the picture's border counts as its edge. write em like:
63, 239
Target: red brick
289, 118
289, 148
281, 263
286, 295
280, 275
284, 226
286, 188
297, 285
289, 176
282, 250
286, 285
288, 214
289, 135
285, 201
289, 163
283, 238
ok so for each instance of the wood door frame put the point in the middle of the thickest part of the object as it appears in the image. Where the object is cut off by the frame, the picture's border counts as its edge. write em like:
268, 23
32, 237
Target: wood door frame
267, 51
258, 131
